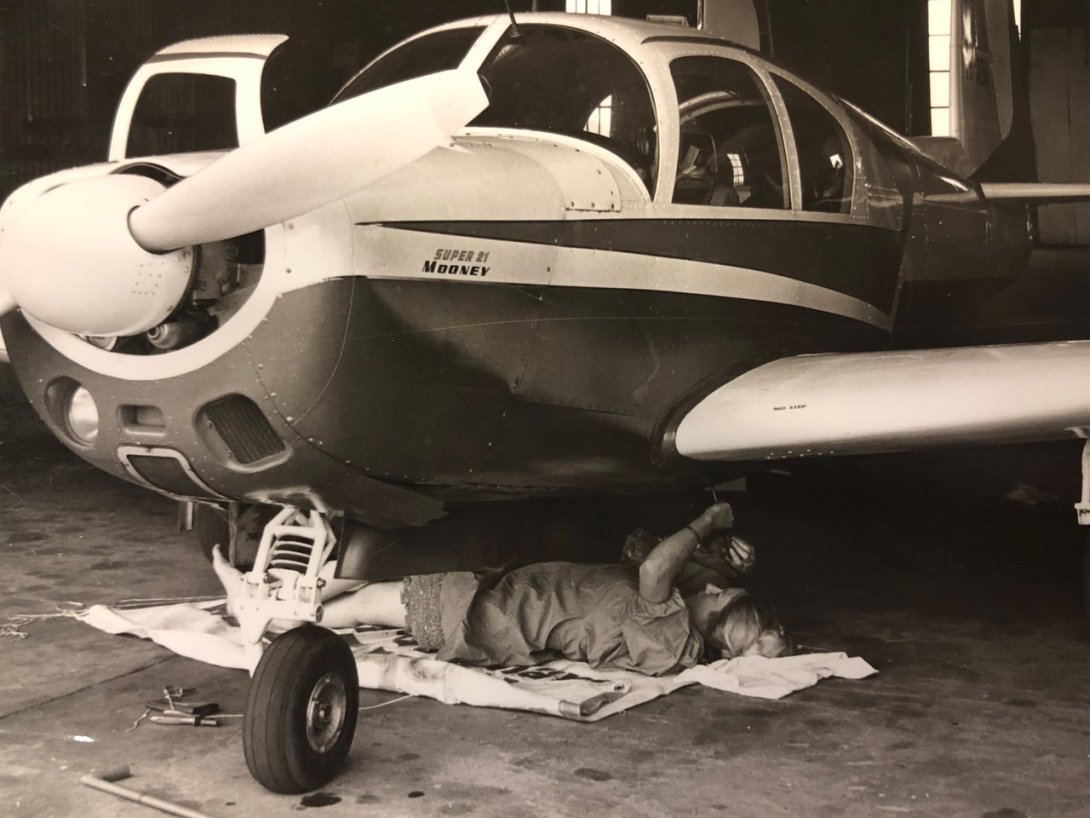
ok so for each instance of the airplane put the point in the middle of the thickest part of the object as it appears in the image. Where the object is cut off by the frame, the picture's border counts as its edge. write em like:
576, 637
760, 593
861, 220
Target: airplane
517, 271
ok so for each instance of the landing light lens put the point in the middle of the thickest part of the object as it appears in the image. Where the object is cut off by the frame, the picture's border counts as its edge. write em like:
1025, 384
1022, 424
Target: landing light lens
81, 415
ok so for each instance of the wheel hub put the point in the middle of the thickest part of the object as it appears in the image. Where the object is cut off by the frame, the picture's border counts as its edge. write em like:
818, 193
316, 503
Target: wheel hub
326, 712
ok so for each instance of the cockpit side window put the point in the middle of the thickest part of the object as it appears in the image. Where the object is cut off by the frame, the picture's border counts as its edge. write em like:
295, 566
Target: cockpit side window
441, 51
179, 113
730, 153
825, 154
564, 81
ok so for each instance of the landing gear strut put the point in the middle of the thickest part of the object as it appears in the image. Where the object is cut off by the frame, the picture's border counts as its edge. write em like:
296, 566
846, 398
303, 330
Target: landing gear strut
303, 701
1082, 508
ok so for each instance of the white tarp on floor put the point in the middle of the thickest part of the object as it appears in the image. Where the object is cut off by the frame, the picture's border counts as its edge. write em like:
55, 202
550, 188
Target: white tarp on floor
389, 660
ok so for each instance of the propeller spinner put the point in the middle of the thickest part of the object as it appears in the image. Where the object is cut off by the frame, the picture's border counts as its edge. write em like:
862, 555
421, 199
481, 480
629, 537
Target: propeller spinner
110, 255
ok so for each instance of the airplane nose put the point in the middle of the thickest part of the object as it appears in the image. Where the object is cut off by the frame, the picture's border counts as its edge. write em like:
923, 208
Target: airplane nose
101, 257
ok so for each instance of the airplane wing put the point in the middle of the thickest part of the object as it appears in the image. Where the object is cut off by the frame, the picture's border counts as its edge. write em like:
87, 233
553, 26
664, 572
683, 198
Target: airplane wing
1036, 193
1031, 194
867, 403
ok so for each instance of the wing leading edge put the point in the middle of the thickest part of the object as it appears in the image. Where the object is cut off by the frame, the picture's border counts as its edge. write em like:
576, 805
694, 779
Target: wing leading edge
866, 403
1029, 194
1036, 193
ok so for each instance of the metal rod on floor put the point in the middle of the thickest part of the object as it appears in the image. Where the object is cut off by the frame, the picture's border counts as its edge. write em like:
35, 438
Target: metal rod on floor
103, 781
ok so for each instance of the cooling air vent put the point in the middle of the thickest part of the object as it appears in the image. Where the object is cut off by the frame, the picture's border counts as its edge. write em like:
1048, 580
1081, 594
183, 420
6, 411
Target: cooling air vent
244, 429
165, 470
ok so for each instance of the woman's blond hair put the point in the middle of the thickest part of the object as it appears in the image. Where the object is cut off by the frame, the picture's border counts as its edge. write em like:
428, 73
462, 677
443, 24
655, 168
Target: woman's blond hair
746, 627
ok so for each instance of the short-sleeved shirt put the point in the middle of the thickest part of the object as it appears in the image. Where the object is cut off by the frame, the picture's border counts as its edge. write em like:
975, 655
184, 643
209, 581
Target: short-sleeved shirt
591, 613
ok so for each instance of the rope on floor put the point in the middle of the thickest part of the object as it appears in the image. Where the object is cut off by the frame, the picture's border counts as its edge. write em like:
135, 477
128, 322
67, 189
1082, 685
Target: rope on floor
16, 622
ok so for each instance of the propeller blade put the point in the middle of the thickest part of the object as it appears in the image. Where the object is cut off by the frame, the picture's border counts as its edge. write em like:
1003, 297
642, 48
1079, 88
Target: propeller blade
7, 303
310, 162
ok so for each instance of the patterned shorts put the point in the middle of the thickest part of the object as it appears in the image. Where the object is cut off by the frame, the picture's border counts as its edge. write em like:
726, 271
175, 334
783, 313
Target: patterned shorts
423, 611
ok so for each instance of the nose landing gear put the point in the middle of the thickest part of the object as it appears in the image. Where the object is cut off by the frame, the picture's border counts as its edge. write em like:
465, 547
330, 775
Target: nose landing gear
303, 701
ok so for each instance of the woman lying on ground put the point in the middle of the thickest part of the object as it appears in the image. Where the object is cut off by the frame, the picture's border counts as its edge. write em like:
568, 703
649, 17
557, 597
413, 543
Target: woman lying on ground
610, 616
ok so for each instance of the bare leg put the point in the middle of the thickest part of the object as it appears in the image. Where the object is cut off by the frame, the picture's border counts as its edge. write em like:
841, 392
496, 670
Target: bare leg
377, 603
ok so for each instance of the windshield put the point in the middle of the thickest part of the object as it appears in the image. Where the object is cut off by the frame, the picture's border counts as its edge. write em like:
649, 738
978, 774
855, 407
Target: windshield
563, 81
440, 51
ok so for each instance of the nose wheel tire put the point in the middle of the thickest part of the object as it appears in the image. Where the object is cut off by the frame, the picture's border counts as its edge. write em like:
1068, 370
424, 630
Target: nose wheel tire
301, 711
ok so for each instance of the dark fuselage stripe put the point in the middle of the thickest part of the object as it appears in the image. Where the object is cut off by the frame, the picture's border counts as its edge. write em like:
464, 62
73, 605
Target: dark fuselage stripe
206, 55
856, 260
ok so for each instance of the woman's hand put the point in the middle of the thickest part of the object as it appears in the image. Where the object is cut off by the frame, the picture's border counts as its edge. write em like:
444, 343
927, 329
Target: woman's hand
719, 516
741, 555
729, 556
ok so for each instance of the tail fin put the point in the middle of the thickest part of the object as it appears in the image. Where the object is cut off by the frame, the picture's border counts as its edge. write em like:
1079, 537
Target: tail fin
981, 94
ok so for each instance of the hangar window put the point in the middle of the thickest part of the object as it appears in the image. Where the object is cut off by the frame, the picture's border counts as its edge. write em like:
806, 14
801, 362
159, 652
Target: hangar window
440, 51
825, 154
563, 81
938, 63
589, 6
730, 153
179, 113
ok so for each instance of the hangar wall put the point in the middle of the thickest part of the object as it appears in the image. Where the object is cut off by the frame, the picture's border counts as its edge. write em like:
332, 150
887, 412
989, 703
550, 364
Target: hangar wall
1059, 76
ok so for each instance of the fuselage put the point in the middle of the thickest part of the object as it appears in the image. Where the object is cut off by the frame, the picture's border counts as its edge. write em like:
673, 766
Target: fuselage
527, 310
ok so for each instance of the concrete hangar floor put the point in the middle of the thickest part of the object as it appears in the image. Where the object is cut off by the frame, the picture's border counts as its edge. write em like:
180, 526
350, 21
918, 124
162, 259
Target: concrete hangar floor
968, 603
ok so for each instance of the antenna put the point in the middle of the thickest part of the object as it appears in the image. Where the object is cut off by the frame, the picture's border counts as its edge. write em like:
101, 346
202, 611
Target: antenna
514, 24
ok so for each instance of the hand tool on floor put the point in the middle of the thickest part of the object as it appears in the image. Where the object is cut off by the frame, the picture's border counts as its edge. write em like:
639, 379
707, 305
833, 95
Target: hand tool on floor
175, 710
182, 719
174, 707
